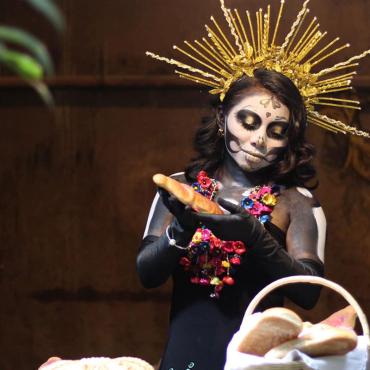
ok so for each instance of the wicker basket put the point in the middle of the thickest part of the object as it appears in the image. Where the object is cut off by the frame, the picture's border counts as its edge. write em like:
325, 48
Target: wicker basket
295, 365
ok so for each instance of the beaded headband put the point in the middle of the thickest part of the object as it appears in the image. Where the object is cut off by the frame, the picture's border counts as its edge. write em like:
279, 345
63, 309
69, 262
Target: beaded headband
254, 47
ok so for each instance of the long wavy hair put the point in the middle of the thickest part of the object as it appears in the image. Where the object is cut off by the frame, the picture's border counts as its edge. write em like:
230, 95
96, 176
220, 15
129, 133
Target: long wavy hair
293, 167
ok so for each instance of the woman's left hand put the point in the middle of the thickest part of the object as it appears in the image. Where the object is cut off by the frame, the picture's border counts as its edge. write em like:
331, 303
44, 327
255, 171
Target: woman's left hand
238, 225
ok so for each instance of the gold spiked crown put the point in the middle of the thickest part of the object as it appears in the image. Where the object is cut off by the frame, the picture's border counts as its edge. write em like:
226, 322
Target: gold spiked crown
254, 47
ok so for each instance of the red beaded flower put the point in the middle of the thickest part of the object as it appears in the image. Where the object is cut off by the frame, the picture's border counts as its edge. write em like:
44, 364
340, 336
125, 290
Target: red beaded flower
211, 261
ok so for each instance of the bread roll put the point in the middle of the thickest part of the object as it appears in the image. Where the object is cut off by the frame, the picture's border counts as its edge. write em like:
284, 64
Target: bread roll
187, 195
318, 340
99, 363
345, 318
273, 327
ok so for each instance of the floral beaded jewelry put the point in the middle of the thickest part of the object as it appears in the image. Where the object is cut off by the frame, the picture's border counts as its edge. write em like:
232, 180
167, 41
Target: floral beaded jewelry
211, 261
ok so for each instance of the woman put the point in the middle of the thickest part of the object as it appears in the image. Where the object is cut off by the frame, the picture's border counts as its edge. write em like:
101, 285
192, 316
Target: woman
255, 139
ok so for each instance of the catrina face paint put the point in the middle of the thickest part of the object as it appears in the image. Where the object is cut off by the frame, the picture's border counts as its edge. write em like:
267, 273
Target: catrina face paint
256, 130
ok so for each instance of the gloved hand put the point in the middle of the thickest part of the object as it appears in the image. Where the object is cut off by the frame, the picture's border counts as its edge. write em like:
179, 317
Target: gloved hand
238, 225
270, 256
184, 224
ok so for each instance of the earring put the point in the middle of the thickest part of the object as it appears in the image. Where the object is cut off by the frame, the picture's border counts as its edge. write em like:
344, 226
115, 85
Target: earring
220, 132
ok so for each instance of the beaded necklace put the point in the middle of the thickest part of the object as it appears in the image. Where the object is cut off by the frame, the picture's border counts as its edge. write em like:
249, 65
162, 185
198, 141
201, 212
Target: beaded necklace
211, 261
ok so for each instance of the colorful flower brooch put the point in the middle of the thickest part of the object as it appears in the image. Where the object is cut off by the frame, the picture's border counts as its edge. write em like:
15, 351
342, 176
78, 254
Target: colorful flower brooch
211, 261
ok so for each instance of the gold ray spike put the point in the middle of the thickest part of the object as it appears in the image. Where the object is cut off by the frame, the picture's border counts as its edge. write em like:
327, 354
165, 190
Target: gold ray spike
338, 105
294, 26
314, 41
323, 49
258, 34
300, 24
219, 44
182, 65
339, 99
233, 51
330, 54
341, 125
202, 55
331, 86
334, 90
309, 43
332, 69
197, 60
278, 22
342, 64
325, 125
306, 37
260, 29
266, 30
213, 53
334, 84
310, 46
228, 17
320, 120
217, 52
242, 27
230, 24
252, 32
196, 79
238, 35
336, 78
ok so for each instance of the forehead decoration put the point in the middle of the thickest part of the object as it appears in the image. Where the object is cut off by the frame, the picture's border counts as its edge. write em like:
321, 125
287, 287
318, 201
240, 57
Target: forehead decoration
224, 57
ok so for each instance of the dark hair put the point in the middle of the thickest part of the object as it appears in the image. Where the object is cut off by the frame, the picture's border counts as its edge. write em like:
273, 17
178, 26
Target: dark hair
293, 166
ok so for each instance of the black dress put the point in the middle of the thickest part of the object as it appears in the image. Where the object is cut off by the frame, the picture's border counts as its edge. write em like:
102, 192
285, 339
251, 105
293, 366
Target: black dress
200, 326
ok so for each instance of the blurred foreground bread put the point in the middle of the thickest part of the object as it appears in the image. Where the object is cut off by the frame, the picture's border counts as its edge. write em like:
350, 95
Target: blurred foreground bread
318, 340
98, 363
187, 195
273, 327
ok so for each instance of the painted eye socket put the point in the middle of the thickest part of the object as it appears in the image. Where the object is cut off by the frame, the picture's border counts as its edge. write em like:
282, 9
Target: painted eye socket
277, 130
249, 119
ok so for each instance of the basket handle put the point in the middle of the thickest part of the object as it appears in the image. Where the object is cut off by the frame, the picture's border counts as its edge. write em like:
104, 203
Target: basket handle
317, 281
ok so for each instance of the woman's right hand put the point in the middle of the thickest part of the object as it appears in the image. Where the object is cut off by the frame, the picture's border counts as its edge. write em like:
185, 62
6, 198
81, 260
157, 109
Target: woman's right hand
184, 220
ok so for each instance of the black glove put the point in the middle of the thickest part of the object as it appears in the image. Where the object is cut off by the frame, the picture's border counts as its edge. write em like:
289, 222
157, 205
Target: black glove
184, 224
271, 257
238, 225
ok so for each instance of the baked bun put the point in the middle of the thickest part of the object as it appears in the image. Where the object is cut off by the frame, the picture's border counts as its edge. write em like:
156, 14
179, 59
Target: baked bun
318, 340
273, 327
187, 195
344, 318
98, 363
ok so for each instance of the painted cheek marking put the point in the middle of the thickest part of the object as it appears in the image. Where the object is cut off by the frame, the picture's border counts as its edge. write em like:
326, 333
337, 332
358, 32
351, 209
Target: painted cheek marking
234, 147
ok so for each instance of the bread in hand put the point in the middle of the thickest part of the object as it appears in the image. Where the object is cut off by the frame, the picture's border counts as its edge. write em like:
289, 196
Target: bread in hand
187, 195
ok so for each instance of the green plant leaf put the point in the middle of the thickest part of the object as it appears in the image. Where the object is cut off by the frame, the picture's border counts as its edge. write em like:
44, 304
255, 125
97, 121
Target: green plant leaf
50, 11
22, 64
29, 42
43, 91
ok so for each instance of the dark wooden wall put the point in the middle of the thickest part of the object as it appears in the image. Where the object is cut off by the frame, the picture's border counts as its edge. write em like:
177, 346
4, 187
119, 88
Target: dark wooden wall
75, 183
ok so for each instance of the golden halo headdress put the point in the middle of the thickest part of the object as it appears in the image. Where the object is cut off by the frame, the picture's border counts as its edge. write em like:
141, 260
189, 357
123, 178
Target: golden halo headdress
254, 47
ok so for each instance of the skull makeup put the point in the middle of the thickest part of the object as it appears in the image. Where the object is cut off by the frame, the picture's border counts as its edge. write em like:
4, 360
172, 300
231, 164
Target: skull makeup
256, 130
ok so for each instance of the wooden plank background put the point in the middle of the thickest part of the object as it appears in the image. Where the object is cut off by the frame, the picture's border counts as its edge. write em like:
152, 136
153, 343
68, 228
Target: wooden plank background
75, 183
